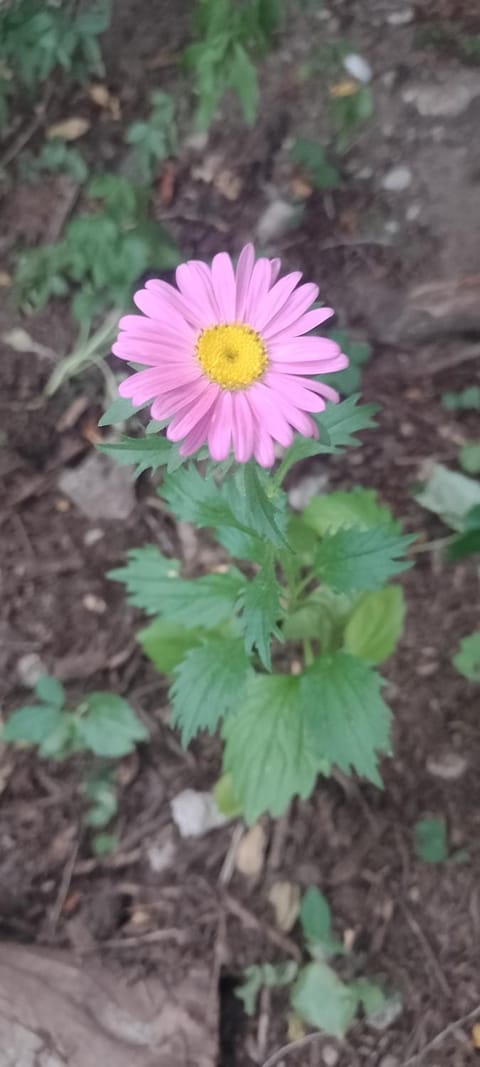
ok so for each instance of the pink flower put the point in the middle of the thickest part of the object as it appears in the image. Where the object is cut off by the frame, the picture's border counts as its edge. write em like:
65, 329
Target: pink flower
227, 356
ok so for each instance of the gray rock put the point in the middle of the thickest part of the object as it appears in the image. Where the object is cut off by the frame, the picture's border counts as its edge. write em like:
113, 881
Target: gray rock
448, 766
358, 67
30, 668
446, 100
195, 813
99, 488
277, 218
397, 179
330, 1056
401, 17
300, 494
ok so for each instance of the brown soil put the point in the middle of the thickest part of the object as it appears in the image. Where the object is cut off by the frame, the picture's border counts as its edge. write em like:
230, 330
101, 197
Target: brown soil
416, 925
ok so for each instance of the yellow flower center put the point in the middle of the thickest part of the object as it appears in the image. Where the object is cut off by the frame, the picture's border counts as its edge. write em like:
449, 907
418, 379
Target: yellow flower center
233, 355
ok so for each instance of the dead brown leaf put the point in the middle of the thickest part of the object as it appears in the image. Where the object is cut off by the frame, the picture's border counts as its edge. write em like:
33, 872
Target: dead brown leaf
104, 99
69, 129
285, 900
251, 851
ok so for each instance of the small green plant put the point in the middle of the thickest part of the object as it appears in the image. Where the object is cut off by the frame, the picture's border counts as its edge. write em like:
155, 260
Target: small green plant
466, 400
455, 498
229, 37
313, 159
351, 105
317, 994
467, 659
39, 36
103, 725
155, 138
54, 157
102, 254
430, 839
469, 457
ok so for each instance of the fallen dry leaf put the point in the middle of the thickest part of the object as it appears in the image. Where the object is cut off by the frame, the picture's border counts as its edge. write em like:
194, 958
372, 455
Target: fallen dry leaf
285, 900
69, 129
300, 188
104, 99
228, 183
251, 851
296, 1029
5, 279
476, 1036
166, 183
347, 87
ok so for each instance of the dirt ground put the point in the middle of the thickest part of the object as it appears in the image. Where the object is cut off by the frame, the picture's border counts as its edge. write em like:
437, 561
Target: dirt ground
371, 247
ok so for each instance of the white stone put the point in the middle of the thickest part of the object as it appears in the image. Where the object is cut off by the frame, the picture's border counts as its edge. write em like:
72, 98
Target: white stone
413, 212
448, 766
401, 17
30, 668
92, 536
446, 100
161, 856
397, 179
277, 218
330, 1056
195, 813
358, 67
197, 142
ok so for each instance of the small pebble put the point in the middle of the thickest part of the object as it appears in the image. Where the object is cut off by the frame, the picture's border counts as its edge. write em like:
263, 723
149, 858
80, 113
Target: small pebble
413, 212
425, 670
358, 68
330, 1056
92, 536
397, 179
401, 18
30, 668
95, 604
448, 766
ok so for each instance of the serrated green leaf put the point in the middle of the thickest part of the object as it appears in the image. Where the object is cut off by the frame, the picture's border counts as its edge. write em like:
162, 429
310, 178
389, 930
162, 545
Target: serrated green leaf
101, 792
32, 724
166, 643
261, 613
325, 1002
58, 743
312, 157
209, 683
347, 721
430, 839
144, 453
467, 659
356, 559
243, 78
450, 495
257, 505
320, 617
358, 507
206, 601
337, 427
258, 977
147, 576
50, 691
376, 624
198, 500
268, 751
110, 727
119, 411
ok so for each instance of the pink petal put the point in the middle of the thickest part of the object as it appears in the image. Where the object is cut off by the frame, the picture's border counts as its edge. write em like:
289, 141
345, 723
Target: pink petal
303, 324
173, 401
182, 424
303, 348
220, 429
197, 437
258, 288
194, 281
154, 307
294, 390
243, 428
294, 307
243, 276
264, 451
269, 416
311, 366
146, 384
275, 268
171, 298
300, 421
151, 352
275, 300
223, 279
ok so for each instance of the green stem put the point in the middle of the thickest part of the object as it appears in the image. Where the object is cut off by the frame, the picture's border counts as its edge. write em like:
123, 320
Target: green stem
308, 652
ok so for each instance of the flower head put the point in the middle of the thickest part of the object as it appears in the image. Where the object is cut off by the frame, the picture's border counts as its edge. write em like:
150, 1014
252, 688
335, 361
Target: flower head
228, 358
